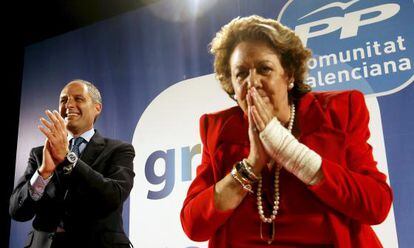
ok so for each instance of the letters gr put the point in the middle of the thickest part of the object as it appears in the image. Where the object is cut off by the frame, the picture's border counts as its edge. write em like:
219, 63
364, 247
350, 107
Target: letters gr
168, 176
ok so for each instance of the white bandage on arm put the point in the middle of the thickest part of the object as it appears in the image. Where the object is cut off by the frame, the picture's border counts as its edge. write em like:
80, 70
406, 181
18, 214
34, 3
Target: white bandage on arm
294, 156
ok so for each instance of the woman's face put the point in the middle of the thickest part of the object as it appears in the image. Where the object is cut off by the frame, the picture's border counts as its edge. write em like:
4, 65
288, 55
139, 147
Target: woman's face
256, 64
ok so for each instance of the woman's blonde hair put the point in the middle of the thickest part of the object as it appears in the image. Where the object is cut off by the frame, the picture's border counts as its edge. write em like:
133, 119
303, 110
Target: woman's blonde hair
292, 54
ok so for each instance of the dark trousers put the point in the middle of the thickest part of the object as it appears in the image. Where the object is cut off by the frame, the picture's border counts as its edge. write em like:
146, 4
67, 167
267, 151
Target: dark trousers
39, 239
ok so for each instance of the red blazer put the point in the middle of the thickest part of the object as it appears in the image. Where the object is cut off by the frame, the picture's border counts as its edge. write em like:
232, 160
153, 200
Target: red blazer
338, 210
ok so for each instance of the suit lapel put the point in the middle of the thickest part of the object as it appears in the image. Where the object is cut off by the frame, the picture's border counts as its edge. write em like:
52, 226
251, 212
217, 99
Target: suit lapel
232, 144
93, 149
310, 115
316, 127
234, 130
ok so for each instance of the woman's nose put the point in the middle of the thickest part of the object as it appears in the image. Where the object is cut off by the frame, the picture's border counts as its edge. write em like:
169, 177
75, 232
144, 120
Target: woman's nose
252, 79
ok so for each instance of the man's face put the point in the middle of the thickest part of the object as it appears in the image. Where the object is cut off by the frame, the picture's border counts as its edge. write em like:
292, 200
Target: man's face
77, 108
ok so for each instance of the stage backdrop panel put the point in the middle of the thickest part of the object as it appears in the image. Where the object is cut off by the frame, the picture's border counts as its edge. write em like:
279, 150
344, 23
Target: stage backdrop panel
155, 73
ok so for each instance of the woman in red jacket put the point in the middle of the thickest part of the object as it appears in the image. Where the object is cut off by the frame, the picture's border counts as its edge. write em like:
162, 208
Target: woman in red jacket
286, 167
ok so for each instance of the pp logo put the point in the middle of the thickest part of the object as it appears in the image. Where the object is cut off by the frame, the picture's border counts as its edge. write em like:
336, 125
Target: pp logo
357, 44
349, 23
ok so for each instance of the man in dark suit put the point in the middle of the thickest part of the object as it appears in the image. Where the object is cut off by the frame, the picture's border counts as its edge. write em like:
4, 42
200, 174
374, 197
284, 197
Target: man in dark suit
75, 185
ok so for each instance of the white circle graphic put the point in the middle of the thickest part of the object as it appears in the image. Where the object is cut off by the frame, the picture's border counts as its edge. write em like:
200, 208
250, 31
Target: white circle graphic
167, 145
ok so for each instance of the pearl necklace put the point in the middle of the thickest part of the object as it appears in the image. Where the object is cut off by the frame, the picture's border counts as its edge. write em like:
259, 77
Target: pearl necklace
272, 217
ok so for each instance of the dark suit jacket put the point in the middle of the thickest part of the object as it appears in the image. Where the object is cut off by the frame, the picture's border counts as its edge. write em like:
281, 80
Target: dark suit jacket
89, 200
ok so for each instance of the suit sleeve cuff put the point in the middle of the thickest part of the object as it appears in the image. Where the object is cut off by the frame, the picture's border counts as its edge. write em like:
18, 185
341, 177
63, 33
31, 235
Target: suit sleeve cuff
38, 185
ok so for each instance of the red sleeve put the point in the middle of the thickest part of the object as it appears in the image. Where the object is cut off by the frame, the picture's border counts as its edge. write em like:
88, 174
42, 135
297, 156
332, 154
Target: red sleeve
199, 217
358, 190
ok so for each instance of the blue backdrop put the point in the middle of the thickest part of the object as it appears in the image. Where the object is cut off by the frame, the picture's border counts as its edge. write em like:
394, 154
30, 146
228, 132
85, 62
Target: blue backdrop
132, 58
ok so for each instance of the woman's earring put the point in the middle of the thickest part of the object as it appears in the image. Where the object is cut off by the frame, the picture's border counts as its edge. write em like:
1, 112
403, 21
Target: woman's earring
291, 85
234, 97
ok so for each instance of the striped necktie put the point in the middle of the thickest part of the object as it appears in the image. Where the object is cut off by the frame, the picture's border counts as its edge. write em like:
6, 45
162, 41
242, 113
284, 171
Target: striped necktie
76, 144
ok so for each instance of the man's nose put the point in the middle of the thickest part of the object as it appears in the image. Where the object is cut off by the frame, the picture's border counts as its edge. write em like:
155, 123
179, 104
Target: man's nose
69, 103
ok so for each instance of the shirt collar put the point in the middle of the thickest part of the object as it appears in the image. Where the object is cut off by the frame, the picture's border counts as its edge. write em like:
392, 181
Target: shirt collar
86, 135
